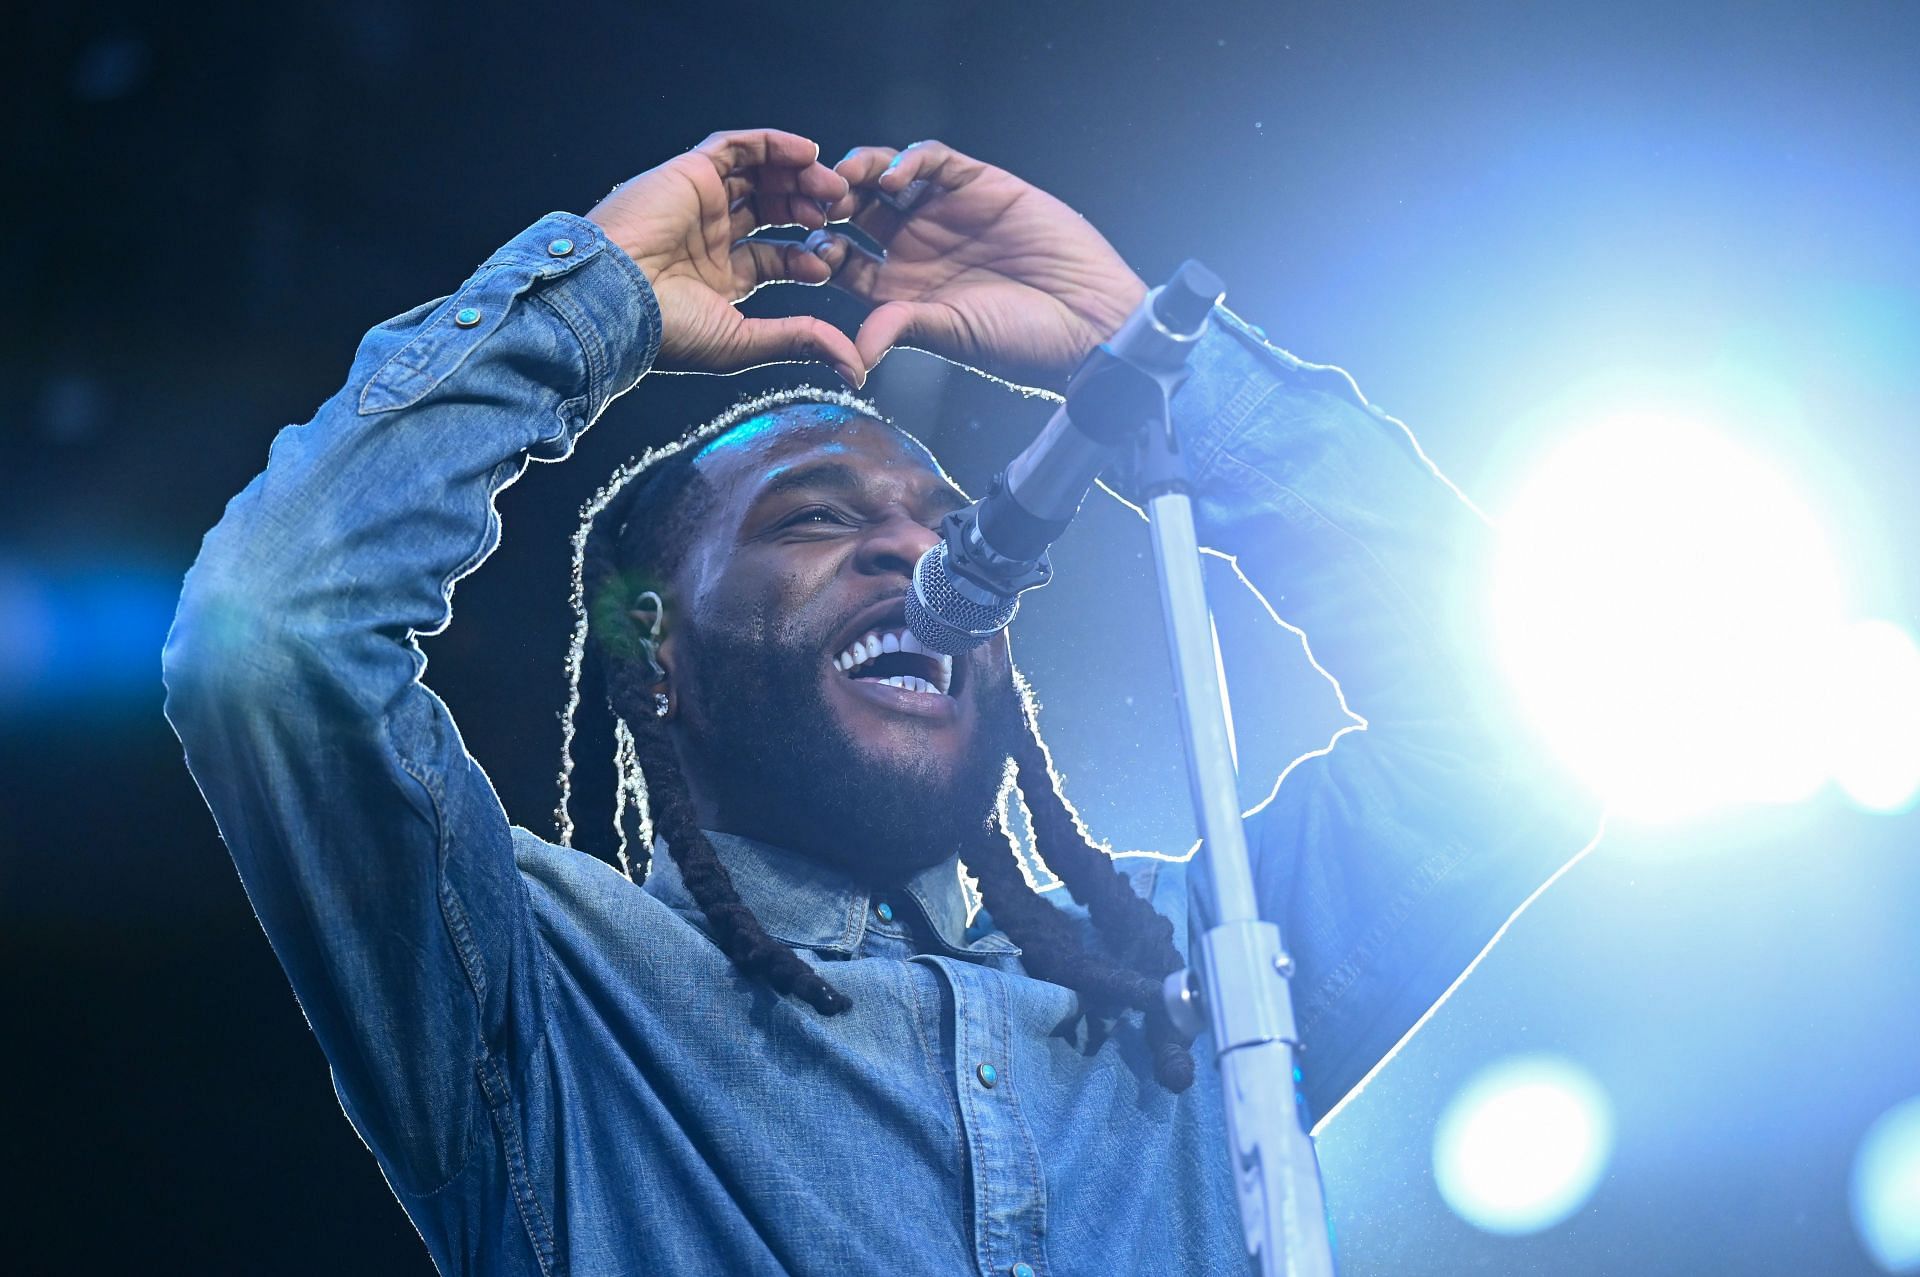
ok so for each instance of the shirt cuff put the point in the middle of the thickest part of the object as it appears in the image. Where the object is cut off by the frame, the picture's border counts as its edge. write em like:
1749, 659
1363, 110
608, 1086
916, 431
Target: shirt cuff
601, 294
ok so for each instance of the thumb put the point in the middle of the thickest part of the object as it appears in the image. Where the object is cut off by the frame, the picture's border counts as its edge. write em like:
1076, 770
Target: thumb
798, 337
890, 324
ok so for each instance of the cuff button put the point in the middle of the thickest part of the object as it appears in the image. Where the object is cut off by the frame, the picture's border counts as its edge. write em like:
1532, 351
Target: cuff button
466, 316
560, 248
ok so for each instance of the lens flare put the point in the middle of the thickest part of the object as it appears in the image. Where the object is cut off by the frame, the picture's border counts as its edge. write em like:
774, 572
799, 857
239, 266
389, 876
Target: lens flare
1876, 732
1523, 1145
1886, 1189
1665, 604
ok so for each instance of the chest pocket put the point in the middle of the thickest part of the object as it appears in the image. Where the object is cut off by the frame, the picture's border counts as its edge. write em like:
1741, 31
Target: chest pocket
454, 330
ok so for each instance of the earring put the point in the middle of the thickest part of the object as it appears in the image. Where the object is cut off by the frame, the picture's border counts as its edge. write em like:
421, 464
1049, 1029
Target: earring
650, 611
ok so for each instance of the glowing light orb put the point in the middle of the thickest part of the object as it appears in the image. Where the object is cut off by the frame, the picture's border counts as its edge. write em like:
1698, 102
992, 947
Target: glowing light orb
1665, 604
1523, 1145
1876, 736
1886, 1189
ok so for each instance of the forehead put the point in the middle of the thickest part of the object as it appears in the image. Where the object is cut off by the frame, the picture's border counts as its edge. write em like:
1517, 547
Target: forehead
760, 450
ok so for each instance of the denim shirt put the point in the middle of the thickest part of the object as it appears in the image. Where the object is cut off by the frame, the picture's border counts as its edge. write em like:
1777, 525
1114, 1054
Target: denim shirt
559, 1071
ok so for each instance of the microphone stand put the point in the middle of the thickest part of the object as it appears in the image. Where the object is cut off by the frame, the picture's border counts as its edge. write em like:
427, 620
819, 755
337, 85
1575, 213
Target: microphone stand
1237, 978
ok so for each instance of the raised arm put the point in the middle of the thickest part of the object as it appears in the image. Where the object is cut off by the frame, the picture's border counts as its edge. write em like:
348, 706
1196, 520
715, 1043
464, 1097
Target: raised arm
1392, 858
372, 846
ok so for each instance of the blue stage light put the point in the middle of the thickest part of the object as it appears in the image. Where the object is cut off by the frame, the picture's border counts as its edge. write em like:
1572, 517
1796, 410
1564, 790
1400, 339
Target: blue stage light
1886, 1189
1523, 1145
82, 636
1666, 604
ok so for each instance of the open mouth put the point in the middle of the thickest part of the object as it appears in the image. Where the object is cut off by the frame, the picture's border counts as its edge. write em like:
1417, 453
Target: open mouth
895, 658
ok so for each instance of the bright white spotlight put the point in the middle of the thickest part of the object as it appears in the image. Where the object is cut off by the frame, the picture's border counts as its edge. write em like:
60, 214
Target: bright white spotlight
1886, 1189
1875, 754
1664, 603
1523, 1145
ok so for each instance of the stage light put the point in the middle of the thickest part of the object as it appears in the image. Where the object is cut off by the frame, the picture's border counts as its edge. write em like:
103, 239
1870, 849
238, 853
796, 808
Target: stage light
1876, 733
1523, 1145
82, 635
1886, 1189
1665, 604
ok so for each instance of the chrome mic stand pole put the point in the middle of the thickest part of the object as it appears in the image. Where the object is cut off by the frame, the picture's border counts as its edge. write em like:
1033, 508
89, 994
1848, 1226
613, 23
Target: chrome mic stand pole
1237, 980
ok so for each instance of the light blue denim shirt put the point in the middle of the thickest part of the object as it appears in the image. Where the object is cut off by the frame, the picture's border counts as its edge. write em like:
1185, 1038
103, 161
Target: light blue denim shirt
559, 1072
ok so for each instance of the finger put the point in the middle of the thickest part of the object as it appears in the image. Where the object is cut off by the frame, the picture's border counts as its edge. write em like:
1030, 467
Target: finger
861, 165
935, 163
765, 261
886, 327
818, 182
798, 337
753, 160
774, 200
739, 149
798, 196
901, 184
858, 168
849, 266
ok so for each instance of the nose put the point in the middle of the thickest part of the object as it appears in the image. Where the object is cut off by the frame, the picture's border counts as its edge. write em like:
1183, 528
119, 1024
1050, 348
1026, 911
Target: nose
894, 545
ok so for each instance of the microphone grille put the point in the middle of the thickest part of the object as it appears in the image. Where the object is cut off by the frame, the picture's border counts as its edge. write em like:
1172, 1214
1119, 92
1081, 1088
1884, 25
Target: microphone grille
944, 617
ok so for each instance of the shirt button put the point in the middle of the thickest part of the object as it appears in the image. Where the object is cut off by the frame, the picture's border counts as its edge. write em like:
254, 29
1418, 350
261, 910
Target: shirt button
467, 316
883, 911
560, 247
988, 1075
1021, 1270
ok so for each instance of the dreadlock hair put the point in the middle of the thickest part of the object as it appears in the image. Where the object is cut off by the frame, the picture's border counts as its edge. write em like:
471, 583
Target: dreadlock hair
631, 535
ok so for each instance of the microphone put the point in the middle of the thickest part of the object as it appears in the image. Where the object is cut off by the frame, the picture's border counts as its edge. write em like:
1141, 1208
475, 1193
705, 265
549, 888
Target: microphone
967, 588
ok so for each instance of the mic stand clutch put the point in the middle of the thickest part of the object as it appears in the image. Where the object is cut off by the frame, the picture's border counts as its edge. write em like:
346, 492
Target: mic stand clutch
1237, 982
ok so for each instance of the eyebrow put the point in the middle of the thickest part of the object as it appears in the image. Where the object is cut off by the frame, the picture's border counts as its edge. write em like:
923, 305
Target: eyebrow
838, 476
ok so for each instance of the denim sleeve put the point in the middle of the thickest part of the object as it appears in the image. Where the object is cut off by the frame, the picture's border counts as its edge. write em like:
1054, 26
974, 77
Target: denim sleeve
371, 845
1391, 859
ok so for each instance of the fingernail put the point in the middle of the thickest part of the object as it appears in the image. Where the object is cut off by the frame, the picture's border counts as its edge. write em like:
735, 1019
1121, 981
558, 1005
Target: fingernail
818, 243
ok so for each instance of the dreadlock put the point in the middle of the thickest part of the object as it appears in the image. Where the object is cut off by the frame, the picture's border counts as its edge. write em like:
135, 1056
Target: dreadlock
630, 537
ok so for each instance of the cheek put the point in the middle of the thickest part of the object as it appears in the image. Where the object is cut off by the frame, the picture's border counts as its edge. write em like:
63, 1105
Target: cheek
755, 608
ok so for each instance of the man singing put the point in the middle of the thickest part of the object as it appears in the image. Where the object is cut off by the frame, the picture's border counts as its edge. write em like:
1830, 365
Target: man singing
778, 1044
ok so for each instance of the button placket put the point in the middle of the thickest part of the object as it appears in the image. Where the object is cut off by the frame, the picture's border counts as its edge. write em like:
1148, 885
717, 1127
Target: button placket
1009, 1203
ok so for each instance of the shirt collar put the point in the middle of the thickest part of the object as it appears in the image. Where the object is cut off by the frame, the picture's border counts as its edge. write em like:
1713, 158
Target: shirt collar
809, 905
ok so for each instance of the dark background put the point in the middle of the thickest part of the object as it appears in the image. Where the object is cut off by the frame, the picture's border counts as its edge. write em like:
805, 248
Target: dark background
1477, 209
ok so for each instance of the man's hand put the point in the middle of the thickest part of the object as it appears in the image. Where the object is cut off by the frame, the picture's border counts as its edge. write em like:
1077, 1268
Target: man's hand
983, 268
684, 223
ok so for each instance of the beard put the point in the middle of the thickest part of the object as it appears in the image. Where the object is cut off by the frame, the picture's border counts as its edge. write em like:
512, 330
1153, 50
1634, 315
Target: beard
777, 757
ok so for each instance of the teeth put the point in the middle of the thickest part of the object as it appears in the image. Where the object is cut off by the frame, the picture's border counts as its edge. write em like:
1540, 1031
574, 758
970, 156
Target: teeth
911, 683
874, 643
